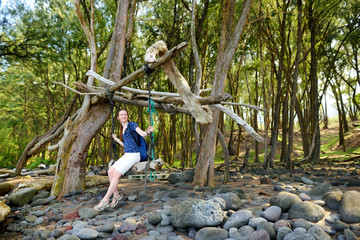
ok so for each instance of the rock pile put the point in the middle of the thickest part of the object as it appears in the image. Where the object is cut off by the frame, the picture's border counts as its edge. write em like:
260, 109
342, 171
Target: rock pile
301, 208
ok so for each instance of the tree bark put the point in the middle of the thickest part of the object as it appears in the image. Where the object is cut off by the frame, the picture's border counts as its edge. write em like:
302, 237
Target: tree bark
304, 124
78, 134
340, 117
284, 128
314, 91
226, 156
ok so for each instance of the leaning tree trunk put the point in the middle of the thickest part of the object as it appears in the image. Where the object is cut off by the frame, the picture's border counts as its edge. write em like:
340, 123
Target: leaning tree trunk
204, 170
70, 175
78, 134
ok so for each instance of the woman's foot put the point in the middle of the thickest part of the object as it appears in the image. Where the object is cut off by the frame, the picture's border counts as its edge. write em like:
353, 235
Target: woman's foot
116, 200
102, 205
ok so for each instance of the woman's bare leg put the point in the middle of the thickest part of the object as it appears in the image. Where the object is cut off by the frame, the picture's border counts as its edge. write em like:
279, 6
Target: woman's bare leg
114, 177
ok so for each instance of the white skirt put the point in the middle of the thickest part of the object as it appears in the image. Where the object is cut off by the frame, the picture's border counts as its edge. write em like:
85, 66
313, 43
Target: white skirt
123, 164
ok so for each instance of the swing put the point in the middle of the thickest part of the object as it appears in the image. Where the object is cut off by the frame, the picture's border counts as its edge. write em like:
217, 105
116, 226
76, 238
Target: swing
151, 110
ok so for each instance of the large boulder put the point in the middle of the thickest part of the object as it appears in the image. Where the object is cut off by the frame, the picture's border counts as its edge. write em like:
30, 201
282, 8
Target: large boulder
332, 199
23, 196
272, 213
318, 233
95, 180
5, 188
4, 211
196, 213
44, 184
284, 200
238, 219
349, 207
186, 176
211, 233
306, 210
239, 192
318, 192
232, 200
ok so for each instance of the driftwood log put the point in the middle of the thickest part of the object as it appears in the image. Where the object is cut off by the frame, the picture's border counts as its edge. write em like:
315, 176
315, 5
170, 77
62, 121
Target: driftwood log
50, 170
191, 102
154, 165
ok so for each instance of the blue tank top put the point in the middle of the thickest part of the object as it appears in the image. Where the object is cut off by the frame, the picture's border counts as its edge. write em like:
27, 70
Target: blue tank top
130, 145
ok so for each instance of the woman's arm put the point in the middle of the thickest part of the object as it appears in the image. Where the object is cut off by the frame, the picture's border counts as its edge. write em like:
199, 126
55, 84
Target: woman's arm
145, 133
117, 140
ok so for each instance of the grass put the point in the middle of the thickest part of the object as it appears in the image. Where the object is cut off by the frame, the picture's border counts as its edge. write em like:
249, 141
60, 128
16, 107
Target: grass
331, 142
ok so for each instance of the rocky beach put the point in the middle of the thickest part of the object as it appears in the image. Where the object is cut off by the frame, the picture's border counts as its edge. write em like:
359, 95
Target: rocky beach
310, 203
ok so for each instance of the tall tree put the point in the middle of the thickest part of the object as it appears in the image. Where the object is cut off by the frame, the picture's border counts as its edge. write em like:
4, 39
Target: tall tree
78, 134
294, 84
229, 41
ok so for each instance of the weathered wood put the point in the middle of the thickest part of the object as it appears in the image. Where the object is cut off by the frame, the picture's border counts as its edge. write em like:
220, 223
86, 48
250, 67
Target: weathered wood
154, 165
141, 72
240, 122
90, 35
169, 108
75, 91
191, 103
203, 101
49, 170
168, 97
88, 89
135, 90
244, 105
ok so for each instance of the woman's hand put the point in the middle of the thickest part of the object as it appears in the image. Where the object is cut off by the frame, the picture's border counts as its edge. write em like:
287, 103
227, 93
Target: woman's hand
150, 129
117, 140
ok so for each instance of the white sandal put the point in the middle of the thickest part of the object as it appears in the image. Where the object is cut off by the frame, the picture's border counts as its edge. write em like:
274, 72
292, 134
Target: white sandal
104, 205
117, 200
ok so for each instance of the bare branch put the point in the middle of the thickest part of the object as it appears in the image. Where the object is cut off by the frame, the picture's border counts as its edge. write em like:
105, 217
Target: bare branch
75, 91
244, 105
240, 122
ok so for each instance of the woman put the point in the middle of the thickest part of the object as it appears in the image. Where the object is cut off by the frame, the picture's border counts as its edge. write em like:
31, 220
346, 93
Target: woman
121, 166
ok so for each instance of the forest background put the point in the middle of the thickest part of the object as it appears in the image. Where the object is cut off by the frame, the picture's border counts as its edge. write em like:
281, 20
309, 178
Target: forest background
285, 65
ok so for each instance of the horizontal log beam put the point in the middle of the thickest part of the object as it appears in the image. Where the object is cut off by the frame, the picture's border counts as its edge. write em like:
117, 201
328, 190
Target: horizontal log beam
169, 108
163, 100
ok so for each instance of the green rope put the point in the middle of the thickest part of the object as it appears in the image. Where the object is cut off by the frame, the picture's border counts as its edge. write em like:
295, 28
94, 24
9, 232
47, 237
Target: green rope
151, 110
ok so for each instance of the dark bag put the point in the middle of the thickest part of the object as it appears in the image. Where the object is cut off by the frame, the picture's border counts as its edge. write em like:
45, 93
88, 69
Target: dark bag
142, 144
